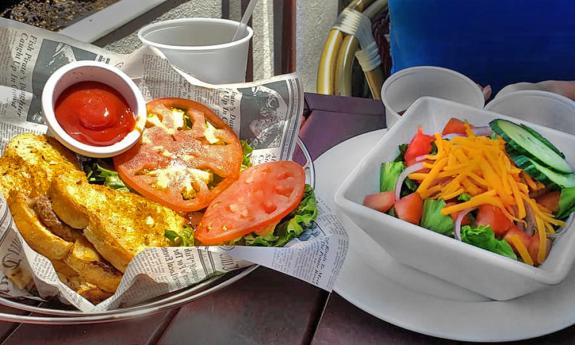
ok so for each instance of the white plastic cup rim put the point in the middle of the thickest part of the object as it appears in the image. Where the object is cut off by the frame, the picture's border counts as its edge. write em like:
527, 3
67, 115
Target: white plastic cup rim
542, 107
479, 100
49, 99
155, 26
530, 93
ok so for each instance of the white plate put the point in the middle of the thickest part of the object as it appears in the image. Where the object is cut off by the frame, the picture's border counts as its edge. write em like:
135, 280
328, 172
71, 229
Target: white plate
374, 282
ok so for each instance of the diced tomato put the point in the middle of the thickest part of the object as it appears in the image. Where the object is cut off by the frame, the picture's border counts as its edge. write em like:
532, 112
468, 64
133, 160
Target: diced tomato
466, 220
550, 201
454, 126
410, 208
515, 231
382, 202
420, 145
533, 248
494, 217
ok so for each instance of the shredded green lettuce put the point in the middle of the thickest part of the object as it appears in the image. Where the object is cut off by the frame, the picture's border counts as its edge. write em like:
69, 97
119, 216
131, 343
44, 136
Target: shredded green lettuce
402, 148
246, 161
482, 236
267, 240
433, 148
97, 174
388, 175
409, 186
432, 218
183, 239
464, 197
290, 227
566, 203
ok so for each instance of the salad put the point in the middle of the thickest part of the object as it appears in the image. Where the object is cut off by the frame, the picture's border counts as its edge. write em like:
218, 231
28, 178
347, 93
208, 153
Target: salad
503, 187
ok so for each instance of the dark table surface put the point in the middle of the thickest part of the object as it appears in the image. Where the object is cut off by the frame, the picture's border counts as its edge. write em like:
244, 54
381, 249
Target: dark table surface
266, 307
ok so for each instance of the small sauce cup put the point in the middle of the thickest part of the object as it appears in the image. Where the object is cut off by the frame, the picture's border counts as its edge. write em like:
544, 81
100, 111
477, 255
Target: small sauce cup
82, 71
404, 87
541, 107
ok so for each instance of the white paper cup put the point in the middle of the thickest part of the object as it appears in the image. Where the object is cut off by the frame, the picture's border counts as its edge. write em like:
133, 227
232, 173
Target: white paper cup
541, 107
202, 47
404, 87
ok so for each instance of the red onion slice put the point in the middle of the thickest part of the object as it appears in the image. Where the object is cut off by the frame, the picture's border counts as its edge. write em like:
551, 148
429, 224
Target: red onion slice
459, 220
409, 170
450, 136
484, 130
563, 229
530, 219
420, 158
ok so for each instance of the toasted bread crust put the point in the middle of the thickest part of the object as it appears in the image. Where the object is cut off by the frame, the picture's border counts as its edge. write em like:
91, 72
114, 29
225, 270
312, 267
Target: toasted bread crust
34, 232
84, 259
120, 224
70, 212
87, 290
47, 192
30, 163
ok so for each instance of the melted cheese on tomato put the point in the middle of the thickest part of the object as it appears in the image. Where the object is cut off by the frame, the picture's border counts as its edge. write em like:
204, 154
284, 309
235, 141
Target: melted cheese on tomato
178, 115
154, 121
210, 134
181, 176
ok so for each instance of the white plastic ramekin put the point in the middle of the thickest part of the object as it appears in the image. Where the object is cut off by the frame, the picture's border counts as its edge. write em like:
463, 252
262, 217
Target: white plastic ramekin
81, 71
541, 107
404, 87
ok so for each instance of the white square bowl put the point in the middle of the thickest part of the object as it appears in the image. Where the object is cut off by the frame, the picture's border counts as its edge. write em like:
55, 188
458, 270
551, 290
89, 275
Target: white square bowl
476, 269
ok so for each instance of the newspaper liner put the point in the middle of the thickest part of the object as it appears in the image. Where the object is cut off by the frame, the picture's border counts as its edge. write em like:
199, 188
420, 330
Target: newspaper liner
266, 113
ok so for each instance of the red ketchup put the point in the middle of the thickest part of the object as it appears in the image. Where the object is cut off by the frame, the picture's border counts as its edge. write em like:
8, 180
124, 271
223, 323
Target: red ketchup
94, 114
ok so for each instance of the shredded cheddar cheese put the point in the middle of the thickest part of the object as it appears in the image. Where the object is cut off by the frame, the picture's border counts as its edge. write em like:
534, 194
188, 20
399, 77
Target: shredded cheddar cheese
521, 249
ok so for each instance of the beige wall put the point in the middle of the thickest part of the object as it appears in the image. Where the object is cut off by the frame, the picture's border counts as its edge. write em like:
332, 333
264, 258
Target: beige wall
314, 19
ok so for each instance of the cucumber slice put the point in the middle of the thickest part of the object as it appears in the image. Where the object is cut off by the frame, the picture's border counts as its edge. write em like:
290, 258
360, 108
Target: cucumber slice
525, 142
542, 139
543, 174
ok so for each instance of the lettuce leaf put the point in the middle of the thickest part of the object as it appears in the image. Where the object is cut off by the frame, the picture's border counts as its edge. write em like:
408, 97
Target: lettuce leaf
388, 174
183, 239
246, 161
432, 218
482, 236
566, 203
97, 174
402, 149
409, 186
290, 227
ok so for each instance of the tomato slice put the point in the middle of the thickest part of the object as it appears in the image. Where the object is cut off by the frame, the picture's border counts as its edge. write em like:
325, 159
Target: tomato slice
454, 126
494, 217
550, 201
410, 208
382, 201
186, 157
420, 145
256, 202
